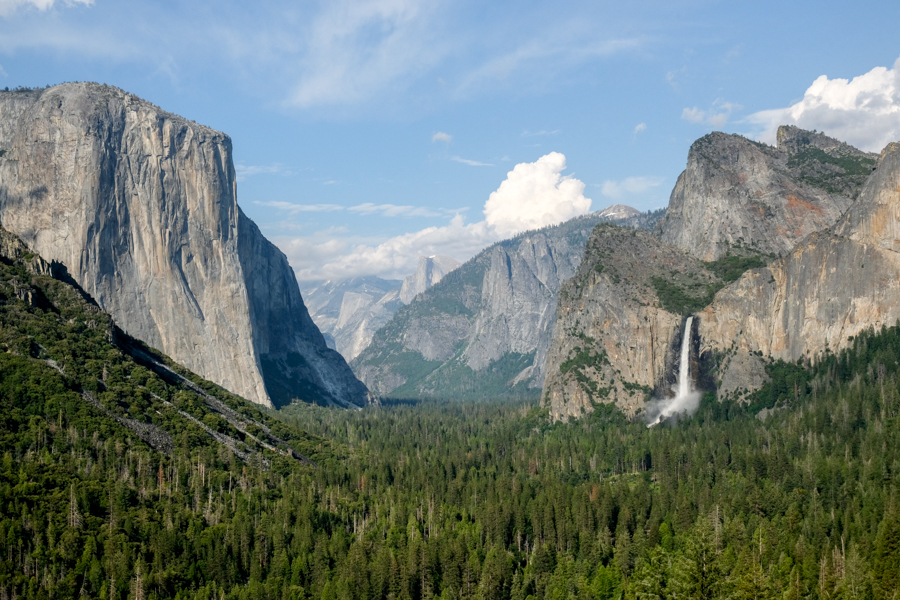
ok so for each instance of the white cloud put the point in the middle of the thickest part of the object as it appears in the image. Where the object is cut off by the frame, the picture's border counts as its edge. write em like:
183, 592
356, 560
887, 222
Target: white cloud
440, 136
471, 163
393, 210
558, 47
639, 128
629, 186
244, 171
533, 195
356, 49
298, 208
716, 116
3, 72
863, 111
694, 115
366, 208
8, 7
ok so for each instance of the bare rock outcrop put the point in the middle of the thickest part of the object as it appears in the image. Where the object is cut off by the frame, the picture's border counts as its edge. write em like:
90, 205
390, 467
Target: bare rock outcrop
830, 287
140, 205
429, 271
736, 193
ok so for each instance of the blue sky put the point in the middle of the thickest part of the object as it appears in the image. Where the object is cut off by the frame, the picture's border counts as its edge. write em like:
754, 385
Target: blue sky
369, 132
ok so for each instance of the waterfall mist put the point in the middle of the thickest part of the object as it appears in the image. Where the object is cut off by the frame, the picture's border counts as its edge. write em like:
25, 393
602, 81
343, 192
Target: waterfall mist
686, 400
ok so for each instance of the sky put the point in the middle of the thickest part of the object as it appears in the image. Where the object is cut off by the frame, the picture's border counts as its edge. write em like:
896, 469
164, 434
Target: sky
367, 133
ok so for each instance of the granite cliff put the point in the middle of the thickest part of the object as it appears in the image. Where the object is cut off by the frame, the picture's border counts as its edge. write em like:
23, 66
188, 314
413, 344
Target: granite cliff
350, 311
140, 206
484, 330
799, 257
619, 322
740, 194
833, 285
429, 271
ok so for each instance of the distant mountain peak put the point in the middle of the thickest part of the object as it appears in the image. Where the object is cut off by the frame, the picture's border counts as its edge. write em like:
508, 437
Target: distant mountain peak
429, 271
619, 211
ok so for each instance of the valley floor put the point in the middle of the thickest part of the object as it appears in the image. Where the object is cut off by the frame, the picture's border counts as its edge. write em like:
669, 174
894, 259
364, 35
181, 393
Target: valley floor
470, 500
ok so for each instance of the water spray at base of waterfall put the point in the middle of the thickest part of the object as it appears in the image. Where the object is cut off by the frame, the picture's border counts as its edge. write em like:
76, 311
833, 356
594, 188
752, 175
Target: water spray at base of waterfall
686, 400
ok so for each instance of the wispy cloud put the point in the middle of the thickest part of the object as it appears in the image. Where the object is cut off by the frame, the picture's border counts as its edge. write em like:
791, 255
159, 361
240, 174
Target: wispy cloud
527, 133
716, 116
393, 210
559, 46
639, 128
629, 186
366, 208
675, 76
298, 208
243, 171
354, 50
471, 163
8, 7
440, 136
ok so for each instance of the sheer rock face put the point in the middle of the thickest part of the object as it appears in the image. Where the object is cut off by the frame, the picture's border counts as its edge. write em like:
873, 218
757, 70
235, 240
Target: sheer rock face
829, 288
140, 206
735, 192
350, 311
429, 271
613, 341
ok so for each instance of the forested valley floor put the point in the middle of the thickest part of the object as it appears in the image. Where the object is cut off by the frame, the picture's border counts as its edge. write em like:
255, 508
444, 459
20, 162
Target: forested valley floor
453, 500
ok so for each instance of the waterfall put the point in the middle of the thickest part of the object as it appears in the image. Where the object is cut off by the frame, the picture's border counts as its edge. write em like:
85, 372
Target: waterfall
685, 400
684, 372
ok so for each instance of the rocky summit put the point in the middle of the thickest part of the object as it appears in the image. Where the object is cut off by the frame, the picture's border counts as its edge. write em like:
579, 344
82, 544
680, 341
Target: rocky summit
429, 271
739, 194
140, 205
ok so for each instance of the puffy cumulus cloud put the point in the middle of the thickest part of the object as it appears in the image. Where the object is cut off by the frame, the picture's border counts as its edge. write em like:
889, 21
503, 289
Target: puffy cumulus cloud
863, 111
440, 136
534, 195
629, 186
8, 7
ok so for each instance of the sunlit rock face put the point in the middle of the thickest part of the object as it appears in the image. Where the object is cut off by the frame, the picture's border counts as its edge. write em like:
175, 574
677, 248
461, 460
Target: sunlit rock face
141, 207
429, 271
829, 288
613, 340
739, 193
